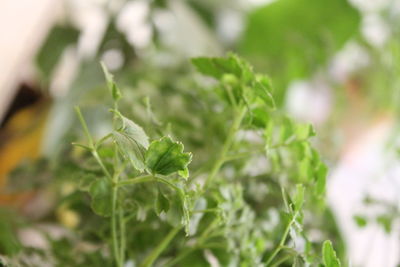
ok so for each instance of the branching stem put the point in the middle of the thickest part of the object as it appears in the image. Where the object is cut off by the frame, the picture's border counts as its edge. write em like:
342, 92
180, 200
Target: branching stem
227, 145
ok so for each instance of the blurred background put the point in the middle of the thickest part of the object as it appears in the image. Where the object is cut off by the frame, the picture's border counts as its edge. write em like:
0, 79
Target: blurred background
333, 63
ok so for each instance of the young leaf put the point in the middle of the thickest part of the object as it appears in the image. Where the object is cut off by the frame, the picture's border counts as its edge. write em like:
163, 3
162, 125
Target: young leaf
112, 86
100, 191
165, 157
329, 257
206, 66
262, 89
299, 197
217, 67
321, 179
360, 220
132, 142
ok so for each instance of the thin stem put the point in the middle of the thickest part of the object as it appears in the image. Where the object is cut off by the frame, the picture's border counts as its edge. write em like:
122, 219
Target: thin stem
91, 142
100, 162
84, 126
282, 242
122, 230
149, 260
227, 145
115, 242
136, 180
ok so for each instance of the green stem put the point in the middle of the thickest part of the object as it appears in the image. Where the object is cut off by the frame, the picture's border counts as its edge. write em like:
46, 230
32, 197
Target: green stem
84, 126
115, 243
149, 260
227, 145
136, 180
282, 242
122, 234
91, 142
100, 162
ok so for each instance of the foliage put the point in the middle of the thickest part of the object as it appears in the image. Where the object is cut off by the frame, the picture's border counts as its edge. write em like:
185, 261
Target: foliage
247, 205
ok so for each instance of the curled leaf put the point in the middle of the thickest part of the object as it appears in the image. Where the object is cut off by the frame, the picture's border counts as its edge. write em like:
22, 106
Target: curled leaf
112, 86
132, 142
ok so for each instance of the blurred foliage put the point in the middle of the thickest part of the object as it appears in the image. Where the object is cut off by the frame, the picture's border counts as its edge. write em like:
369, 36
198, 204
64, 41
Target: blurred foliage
264, 202
293, 39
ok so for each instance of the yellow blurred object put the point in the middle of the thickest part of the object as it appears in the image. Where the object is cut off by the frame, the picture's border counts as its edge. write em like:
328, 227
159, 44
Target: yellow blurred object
68, 217
21, 139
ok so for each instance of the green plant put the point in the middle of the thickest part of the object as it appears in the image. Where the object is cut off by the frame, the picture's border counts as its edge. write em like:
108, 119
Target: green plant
221, 211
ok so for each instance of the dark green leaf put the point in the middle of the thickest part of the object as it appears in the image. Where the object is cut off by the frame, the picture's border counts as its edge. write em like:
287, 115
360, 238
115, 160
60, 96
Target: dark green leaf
100, 191
162, 203
165, 157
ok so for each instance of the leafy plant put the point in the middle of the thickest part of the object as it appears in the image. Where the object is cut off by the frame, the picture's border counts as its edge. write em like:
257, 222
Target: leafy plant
164, 212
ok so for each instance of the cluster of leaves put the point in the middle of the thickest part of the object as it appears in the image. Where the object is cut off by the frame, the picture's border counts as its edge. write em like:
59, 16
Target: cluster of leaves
245, 206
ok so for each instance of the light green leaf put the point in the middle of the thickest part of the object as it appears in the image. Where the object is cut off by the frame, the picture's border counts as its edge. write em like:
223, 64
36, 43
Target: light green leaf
312, 25
299, 197
261, 90
184, 173
132, 142
100, 191
218, 66
165, 157
329, 257
304, 131
321, 179
112, 86
360, 220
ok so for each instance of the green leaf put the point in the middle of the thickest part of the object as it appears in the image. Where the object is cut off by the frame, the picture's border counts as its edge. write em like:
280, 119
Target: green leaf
304, 131
85, 181
165, 157
9, 243
162, 203
329, 257
361, 221
292, 39
217, 67
100, 191
299, 197
50, 53
385, 221
112, 86
206, 66
132, 142
321, 179
261, 90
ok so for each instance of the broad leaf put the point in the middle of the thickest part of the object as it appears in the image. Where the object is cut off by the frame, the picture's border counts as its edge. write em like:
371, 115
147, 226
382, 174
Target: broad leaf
100, 191
292, 39
165, 157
